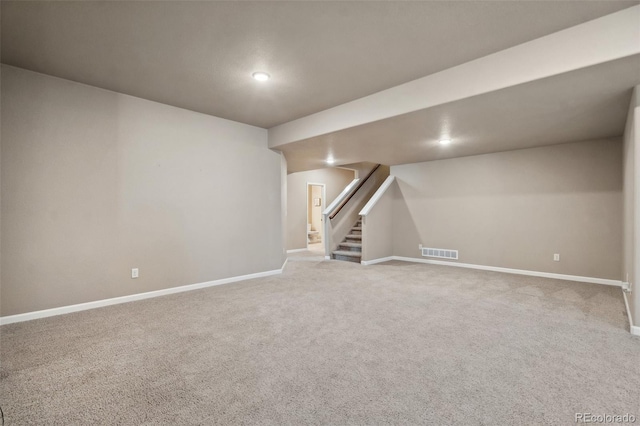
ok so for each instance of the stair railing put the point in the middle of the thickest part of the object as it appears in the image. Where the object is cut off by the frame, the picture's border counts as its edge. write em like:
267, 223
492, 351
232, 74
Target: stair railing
337, 205
351, 193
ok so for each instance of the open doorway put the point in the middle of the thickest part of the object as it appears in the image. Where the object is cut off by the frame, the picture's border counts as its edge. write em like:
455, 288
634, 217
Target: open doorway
315, 225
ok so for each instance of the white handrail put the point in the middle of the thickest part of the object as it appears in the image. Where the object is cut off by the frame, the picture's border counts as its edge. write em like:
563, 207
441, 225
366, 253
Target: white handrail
345, 192
379, 193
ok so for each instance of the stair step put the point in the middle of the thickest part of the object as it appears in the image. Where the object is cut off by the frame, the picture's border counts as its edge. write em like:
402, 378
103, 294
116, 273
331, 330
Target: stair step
354, 237
347, 253
344, 247
357, 228
349, 256
351, 244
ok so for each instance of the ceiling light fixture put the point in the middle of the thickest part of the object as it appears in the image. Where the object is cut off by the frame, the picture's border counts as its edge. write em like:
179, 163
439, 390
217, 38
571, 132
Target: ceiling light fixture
445, 141
330, 160
261, 76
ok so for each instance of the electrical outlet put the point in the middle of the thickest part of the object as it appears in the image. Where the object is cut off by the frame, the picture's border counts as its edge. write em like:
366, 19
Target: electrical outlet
556, 257
135, 273
419, 246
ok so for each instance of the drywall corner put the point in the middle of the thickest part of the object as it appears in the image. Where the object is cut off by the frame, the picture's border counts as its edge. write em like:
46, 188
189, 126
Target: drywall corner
631, 204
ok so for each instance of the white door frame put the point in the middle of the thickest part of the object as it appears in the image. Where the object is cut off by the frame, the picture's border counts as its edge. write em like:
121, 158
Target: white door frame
322, 206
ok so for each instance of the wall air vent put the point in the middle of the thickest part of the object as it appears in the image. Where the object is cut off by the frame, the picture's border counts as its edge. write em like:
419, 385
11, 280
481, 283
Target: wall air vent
440, 253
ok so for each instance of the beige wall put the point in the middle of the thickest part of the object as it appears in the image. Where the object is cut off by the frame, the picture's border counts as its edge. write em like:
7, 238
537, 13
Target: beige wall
283, 201
377, 226
631, 226
95, 183
1, 97
516, 209
335, 180
361, 169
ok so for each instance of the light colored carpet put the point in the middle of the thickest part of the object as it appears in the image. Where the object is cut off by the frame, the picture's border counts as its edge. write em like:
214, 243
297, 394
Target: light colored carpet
316, 248
334, 343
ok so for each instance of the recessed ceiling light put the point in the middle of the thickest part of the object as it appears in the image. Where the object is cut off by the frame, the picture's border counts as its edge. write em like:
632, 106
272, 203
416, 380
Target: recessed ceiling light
330, 160
445, 141
261, 76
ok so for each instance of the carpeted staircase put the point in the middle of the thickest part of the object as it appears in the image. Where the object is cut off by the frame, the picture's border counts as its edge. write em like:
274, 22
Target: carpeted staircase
351, 248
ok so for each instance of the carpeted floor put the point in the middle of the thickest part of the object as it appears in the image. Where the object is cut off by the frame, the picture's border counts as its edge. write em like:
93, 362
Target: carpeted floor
332, 343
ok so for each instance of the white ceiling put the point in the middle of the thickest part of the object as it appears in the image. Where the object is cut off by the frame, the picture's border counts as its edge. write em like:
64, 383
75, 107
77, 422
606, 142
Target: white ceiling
586, 104
200, 55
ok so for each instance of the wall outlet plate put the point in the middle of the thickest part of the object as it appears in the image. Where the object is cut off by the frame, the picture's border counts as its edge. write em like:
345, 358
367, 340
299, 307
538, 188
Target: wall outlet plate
556, 257
135, 273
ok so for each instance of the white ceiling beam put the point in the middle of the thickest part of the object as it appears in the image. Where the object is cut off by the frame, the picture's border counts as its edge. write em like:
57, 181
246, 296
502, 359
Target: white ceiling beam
602, 40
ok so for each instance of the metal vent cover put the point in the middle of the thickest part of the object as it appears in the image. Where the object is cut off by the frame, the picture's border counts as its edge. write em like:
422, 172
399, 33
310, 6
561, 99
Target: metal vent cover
440, 253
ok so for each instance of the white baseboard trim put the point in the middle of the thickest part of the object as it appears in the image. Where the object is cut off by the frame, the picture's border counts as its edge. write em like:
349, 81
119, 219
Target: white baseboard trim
297, 250
633, 329
327, 257
10, 319
374, 261
591, 280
